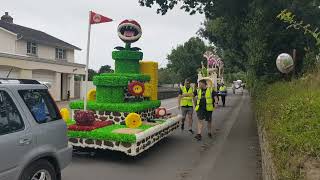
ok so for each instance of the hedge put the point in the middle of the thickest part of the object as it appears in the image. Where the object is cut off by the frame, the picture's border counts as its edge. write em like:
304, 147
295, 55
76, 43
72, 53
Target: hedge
118, 79
137, 77
117, 107
127, 66
127, 55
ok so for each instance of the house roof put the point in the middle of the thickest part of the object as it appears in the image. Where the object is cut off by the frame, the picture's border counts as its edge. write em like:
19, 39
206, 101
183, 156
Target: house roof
33, 35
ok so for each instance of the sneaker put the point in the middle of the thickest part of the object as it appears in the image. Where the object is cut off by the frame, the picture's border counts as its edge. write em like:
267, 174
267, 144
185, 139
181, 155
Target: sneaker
198, 137
191, 131
210, 135
182, 126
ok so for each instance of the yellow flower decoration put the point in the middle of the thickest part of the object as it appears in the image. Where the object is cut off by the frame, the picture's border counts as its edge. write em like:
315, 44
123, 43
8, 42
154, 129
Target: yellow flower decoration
133, 120
65, 114
91, 95
137, 89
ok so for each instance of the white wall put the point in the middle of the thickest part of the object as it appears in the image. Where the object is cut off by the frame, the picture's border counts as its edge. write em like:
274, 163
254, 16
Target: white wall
7, 42
70, 56
43, 75
21, 47
82, 90
71, 78
56, 89
4, 70
46, 52
26, 74
28, 64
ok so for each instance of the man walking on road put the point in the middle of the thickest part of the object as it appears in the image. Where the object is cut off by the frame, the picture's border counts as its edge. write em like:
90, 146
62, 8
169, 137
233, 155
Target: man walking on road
204, 107
223, 93
185, 104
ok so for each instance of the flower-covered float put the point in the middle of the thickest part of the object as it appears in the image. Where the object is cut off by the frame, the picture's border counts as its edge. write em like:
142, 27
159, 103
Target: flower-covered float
213, 73
123, 112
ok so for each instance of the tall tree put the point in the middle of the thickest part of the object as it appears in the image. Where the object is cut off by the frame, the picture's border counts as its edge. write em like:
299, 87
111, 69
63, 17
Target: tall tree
91, 74
166, 76
185, 59
248, 32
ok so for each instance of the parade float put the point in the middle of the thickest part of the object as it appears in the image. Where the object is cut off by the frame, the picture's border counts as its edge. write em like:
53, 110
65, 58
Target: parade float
123, 112
213, 73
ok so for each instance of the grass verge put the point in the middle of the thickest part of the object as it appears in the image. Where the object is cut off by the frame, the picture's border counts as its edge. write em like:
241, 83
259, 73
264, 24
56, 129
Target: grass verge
289, 112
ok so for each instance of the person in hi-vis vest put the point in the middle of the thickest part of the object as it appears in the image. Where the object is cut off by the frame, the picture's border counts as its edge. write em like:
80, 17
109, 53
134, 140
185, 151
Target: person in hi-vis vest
204, 106
223, 93
185, 104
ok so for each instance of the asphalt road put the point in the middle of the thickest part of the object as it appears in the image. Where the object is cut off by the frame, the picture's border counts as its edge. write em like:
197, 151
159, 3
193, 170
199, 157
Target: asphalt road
233, 153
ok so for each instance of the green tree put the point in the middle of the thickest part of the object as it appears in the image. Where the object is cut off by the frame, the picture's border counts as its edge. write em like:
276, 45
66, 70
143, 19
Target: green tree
105, 69
249, 33
91, 73
166, 76
185, 59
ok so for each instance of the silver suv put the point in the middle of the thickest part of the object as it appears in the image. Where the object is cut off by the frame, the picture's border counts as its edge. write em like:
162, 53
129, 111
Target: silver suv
33, 137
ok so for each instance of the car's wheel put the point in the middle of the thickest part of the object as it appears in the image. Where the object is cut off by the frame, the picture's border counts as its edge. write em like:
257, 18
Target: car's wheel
39, 170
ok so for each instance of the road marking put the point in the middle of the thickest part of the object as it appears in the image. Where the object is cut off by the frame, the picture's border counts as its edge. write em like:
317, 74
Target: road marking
172, 108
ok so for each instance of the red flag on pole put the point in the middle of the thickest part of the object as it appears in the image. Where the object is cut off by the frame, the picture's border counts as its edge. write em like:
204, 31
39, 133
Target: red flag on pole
94, 18
98, 18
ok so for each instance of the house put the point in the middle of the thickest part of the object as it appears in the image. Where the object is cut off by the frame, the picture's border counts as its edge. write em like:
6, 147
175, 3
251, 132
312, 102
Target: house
31, 54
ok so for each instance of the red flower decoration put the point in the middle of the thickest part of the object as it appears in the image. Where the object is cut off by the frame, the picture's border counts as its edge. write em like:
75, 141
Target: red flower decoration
136, 88
84, 118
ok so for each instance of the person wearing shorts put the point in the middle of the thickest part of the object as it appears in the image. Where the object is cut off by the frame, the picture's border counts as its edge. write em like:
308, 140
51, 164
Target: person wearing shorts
186, 105
204, 98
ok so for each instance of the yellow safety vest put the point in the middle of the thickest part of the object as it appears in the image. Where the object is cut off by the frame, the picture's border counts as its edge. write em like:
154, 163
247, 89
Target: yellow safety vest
209, 100
223, 88
186, 101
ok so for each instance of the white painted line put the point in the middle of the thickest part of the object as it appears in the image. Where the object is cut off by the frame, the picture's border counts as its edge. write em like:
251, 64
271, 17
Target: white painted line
172, 108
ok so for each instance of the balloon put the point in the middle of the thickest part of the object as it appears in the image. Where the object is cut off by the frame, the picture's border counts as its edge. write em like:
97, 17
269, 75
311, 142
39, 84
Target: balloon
285, 63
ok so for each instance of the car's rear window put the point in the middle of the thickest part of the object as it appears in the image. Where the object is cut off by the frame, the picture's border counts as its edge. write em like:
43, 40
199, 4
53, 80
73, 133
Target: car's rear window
41, 105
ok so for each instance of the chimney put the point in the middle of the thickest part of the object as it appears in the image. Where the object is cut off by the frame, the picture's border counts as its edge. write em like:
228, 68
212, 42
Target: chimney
7, 18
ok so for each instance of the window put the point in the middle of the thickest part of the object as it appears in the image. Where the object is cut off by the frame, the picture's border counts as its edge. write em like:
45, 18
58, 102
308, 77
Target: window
61, 53
41, 105
10, 118
32, 48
